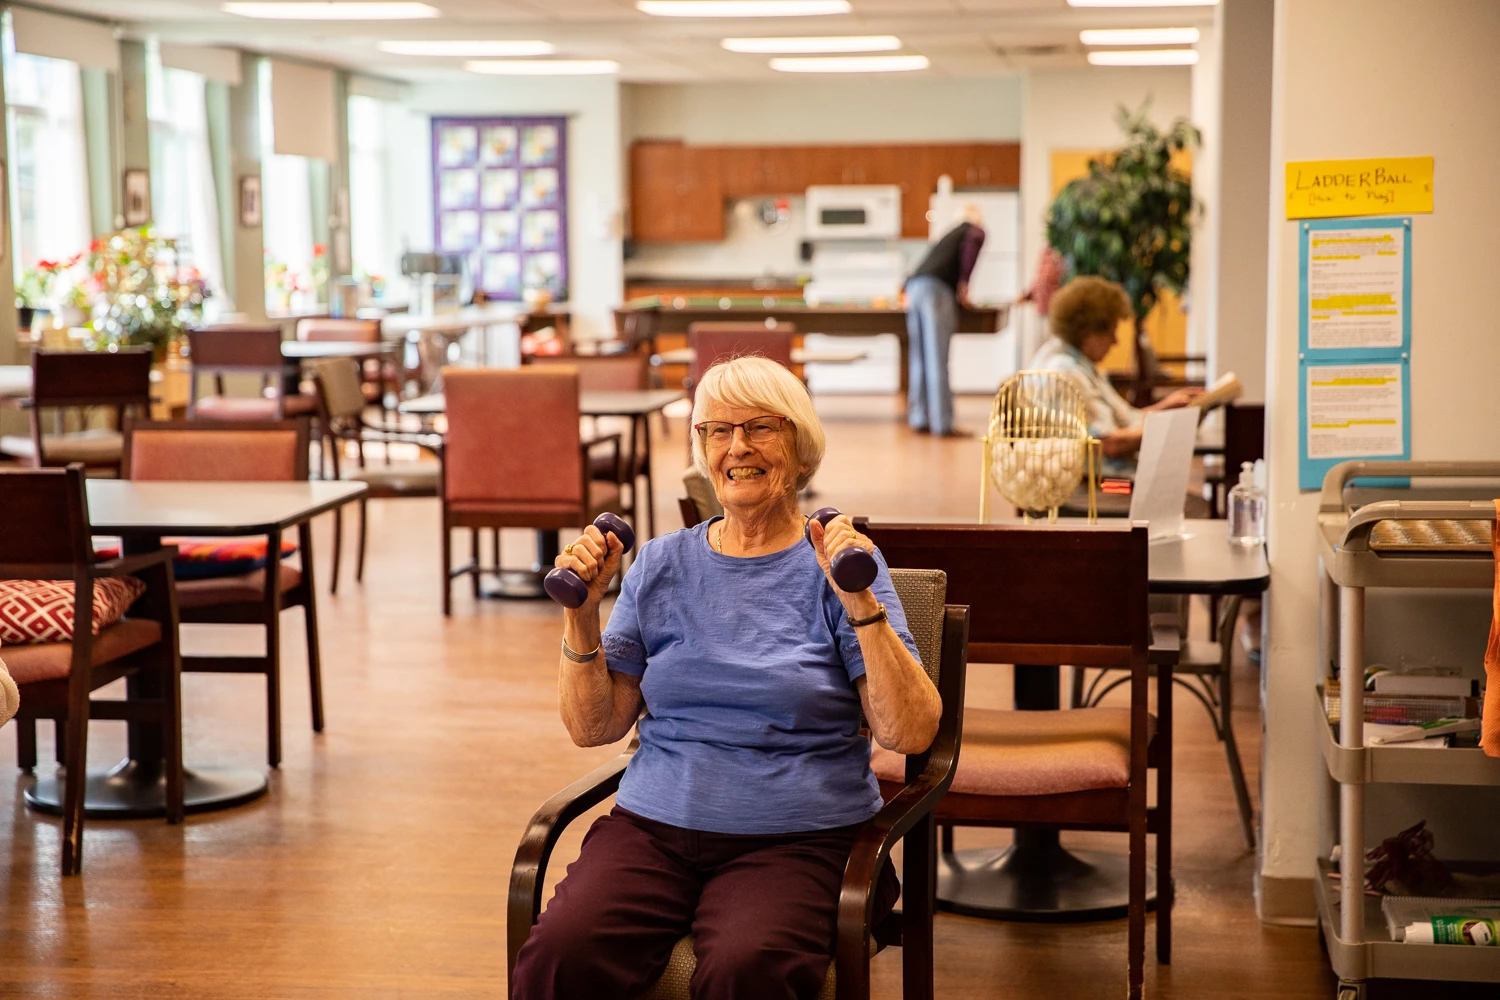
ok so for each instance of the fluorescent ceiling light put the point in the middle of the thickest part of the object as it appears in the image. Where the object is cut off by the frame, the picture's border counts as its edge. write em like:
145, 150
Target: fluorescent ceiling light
472, 48
851, 64
827, 43
1144, 57
296, 10
543, 67
1142, 3
1138, 36
741, 8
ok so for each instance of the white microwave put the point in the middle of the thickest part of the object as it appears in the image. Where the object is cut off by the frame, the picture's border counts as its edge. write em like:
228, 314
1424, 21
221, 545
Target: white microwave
853, 212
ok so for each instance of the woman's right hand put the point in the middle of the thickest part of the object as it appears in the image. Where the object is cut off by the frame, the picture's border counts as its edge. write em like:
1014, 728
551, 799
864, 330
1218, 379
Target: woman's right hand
595, 557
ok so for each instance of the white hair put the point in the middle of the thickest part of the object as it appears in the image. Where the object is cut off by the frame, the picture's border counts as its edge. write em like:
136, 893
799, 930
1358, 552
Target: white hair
755, 382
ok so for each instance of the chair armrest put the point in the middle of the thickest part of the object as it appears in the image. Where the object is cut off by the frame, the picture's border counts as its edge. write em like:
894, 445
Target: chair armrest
128, 565
588, 443
1166, 641
547, 824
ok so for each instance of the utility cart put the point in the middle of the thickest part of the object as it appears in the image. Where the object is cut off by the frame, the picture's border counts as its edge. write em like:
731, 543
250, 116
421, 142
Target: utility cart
1421, 541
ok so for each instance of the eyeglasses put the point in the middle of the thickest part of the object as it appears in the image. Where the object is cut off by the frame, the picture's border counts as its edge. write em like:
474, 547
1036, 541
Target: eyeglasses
758, 430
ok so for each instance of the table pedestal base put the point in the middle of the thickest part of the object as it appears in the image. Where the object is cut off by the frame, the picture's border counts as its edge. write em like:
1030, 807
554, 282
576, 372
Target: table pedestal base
1036, 879
132, 790
515, 585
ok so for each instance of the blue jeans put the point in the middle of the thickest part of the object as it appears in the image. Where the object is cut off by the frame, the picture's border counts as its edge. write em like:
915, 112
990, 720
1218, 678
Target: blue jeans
931, 318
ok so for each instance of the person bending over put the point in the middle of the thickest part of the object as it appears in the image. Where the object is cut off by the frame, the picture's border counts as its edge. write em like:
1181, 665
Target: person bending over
735, 818
1085, 315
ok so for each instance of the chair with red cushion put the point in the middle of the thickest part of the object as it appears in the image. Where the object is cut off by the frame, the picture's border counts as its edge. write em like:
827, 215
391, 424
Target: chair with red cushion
56, 678
63, 380
243, 350
1074, 769
515, 457
240, 451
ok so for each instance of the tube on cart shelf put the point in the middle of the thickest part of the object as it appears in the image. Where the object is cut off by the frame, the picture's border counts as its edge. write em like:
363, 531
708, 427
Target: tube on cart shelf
1452, 930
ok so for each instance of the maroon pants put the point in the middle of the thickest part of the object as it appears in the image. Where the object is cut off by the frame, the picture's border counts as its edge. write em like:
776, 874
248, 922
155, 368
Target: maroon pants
762, 910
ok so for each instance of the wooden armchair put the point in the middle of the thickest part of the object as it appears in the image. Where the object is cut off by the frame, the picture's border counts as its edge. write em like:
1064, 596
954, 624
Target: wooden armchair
119, 380
1049, 594
942, 636
55, 679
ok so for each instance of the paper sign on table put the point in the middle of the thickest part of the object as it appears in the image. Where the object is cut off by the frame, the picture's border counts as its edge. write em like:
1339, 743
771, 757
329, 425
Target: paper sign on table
1387, 185
1161, 475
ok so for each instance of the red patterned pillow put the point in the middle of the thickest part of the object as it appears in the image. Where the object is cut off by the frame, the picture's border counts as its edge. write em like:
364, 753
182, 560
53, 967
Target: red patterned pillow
42, 610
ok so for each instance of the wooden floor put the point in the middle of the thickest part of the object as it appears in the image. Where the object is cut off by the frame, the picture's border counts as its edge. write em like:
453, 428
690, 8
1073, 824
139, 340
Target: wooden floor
377, 866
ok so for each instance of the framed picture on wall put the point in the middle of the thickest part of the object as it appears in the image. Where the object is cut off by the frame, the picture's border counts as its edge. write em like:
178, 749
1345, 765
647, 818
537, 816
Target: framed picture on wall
250, 201
137, 201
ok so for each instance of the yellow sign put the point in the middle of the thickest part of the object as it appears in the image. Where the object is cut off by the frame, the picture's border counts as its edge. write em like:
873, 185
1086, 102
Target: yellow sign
1326, 189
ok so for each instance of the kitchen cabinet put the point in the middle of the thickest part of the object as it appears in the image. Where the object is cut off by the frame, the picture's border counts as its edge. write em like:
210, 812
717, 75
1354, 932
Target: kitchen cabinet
675, 193
763, 171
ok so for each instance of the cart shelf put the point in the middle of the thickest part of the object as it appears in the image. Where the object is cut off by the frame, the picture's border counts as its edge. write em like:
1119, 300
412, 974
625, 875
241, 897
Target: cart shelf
1403, 765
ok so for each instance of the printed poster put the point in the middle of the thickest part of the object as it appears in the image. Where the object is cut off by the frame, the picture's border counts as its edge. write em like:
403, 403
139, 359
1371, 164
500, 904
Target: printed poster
1356, 288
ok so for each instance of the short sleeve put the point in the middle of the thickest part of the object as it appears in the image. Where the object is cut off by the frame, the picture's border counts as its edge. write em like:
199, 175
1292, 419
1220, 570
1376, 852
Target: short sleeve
885, 593
624, 645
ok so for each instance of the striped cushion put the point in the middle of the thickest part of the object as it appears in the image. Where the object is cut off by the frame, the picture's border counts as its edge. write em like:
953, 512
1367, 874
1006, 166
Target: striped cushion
42, 610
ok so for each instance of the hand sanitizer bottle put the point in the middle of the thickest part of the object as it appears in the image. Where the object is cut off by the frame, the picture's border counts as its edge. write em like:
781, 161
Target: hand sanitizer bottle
1247, 510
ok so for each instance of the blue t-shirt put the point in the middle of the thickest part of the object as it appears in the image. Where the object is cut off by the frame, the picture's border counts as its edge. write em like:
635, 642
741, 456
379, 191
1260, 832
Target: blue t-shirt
747, 667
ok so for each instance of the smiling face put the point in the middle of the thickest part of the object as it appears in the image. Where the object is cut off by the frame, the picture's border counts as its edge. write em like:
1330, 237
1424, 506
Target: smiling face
750, 473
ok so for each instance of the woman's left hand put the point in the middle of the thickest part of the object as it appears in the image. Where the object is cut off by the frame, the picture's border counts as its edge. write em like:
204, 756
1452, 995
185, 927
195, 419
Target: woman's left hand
830, 541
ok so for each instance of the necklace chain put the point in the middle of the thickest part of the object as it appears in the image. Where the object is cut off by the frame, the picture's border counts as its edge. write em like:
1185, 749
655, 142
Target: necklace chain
723, 526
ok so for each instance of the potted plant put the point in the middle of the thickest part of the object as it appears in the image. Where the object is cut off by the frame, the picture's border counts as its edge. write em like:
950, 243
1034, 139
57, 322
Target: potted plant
141, 295
35, 289
1130, 219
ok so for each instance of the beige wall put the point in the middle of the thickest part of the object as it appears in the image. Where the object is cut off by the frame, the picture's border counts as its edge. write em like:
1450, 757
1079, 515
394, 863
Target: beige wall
1357, 78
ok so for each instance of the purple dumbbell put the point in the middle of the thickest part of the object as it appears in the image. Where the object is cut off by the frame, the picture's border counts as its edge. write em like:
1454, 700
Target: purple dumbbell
565, 586
853, 569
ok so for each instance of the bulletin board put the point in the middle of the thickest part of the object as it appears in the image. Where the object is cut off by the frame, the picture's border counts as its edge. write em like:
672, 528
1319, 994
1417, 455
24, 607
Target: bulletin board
500, 195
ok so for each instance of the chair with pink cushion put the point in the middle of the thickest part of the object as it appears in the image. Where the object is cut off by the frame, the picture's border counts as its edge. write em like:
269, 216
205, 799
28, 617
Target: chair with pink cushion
240, 451
515, 457
715, 342
55, 678
253, 351
1039, 771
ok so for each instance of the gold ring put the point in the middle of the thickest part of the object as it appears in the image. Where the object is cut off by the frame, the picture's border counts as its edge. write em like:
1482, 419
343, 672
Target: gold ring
568, 550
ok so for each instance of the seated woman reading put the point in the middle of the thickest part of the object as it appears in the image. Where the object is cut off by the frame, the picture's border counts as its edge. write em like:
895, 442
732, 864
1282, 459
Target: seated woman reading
1085, 315
736, 816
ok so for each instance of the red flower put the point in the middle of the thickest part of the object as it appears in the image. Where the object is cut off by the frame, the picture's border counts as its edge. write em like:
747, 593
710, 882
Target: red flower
319, 249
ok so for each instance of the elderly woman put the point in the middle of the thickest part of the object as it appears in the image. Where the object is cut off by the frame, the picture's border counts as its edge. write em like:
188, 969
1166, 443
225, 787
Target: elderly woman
745, 668
1085, 315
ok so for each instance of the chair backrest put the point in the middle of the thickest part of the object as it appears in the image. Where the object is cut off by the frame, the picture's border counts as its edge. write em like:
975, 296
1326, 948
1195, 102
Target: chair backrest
91, 378
364, 331
1037, 593
700, 492
339, 389
603, 372
922, 593
1244, 436
512, 435
53, 507
236, 348
715, 342
216, 451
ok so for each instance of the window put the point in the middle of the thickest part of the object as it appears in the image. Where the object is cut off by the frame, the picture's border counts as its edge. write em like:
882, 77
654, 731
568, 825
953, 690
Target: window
183, 200
295, 268
367, 187
48, 180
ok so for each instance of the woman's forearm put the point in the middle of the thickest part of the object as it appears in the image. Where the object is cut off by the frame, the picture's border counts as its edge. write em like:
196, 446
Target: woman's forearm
901, 703
598, 707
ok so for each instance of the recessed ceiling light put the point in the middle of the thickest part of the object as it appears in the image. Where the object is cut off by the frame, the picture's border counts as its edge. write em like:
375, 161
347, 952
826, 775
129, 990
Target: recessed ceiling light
1144, 57
1138, 36
543, 67
296, 10
827, 43
1142, 3
741, 8
851, 64
474, 48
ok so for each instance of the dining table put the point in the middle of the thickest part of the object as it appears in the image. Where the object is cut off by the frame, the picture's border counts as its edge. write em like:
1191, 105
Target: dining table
141, 514
635, 404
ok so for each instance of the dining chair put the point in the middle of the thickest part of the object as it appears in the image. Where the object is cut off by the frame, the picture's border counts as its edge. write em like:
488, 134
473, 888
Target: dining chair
55, 679
240, 451
627, 372
341, 405
70, 380
941, 634
380, 374
700, 503
253, 351
713, 342
1070, 769
515, 457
